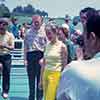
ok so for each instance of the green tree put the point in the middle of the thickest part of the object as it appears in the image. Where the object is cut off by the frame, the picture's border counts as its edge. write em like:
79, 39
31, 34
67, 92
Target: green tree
2, 1
44, 14
28, 10
17, 11
4, 11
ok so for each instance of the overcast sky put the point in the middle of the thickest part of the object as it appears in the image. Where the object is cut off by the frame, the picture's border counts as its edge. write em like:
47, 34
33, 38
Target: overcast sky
56, 7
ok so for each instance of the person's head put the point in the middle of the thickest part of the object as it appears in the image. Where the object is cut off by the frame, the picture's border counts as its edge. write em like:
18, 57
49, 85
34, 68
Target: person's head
19, 27
76, 20
3, 25
62, 35
86, 13
92, 39
65, 28
67, 18
37, 21
14, 20
25, 24
51, 31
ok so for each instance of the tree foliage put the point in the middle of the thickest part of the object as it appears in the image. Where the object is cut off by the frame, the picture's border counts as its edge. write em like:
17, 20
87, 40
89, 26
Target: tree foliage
4, 11
2, 1
28, 10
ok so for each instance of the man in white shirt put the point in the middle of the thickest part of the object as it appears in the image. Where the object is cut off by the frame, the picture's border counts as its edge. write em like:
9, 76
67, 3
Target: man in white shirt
35, 42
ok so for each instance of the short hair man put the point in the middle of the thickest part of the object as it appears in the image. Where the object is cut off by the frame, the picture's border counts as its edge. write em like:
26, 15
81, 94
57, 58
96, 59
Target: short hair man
13, 28
35, 42
85, 14
81, 80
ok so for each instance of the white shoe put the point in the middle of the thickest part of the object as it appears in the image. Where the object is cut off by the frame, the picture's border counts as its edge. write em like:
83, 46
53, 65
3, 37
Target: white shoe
5, 95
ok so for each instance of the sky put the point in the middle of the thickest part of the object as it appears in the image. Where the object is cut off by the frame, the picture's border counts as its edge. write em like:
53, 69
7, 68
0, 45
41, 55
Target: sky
56, 8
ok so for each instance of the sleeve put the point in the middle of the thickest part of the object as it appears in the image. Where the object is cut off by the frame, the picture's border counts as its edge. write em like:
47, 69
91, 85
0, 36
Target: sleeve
25, 42
64, 56
64, 87
11, 40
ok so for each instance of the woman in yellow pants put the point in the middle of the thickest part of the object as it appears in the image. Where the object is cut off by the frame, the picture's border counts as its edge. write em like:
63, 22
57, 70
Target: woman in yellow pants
55, 59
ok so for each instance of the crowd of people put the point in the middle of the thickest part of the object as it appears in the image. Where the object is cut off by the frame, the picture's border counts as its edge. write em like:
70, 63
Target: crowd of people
18, 29
56, 56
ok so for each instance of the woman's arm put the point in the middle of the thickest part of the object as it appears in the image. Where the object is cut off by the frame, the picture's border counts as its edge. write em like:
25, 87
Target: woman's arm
64, 56
42, 62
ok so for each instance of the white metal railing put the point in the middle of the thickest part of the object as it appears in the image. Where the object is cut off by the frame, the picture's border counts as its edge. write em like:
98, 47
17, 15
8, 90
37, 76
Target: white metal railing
18, 52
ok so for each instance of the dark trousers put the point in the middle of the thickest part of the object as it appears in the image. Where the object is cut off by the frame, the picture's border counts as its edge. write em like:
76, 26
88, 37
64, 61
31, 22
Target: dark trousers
6, 62
33, 70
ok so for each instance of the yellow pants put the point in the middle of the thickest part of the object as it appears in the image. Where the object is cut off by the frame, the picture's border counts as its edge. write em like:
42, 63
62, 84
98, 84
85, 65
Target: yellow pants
50, 84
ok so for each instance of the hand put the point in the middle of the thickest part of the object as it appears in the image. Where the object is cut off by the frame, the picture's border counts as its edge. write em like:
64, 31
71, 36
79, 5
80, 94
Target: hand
25, 63
41, 62
40, 85
79, 54
3, 44
0, 44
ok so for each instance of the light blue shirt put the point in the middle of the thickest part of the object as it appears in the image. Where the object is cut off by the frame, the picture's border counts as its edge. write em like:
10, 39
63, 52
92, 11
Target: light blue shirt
80, 80
14, 29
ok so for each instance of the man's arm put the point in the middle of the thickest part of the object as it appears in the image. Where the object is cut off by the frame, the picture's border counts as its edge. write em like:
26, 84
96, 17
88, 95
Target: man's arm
10, 44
